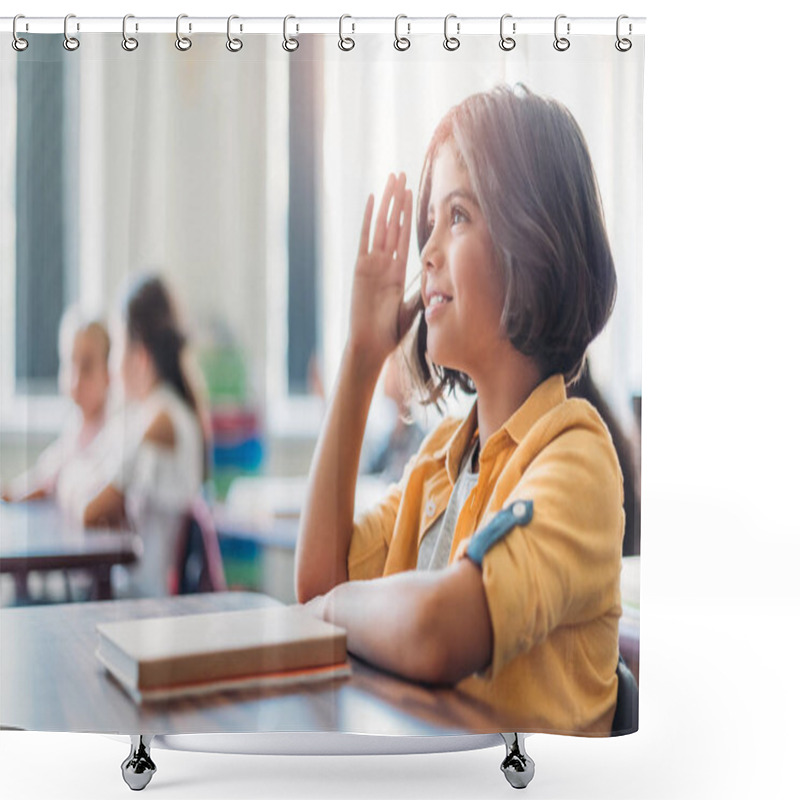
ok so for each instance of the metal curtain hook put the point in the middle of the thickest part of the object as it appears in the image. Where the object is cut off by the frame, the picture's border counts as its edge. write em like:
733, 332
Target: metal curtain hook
290, 43
507, 42
70, 42
233, 44
561, 43
623, 45
182, 42
18, 43
346, 42
401, 42
451, 42
129, 43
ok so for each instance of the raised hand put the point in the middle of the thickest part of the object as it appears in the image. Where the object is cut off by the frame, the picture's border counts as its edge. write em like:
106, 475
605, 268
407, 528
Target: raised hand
379, 317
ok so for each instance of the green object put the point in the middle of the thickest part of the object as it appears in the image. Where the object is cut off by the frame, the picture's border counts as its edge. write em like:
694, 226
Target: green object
223, 478
225, 372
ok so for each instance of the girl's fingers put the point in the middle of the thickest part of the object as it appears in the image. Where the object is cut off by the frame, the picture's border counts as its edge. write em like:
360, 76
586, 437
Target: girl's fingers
379, 239
363, 245
397, 209
405, 233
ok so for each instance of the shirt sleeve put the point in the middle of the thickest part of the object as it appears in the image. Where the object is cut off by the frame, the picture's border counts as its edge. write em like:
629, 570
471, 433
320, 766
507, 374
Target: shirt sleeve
155, 473
563, 567
48, 466
372, 532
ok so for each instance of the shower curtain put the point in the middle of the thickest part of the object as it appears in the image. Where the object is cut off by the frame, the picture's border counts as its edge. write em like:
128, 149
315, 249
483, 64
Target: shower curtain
236, 169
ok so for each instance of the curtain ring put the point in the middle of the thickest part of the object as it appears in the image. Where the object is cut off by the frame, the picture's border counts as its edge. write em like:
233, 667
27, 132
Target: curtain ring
129, 43
233, 44
561, 43
401, 43
18, 43
183, 43
346, 43
507, 42
290, 43
70, 42
623, 45
451, 42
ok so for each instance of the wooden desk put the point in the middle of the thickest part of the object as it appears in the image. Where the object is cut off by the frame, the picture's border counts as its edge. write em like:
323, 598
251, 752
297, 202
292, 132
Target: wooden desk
39, 537
52, 681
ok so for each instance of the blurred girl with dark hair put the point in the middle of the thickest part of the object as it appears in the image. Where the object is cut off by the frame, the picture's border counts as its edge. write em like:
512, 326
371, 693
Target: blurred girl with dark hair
152, 462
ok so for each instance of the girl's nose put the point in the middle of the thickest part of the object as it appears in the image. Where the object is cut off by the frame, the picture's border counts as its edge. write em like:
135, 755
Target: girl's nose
431, 256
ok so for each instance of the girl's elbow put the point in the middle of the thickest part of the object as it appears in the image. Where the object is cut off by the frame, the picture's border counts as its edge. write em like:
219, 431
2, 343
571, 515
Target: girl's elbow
430, 661
309, 584
88, 515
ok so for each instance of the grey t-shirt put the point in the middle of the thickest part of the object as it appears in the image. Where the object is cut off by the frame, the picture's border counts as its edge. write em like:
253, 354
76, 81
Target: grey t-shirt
434, 550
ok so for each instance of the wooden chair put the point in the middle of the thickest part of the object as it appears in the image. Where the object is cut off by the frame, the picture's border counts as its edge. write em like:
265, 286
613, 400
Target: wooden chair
198, 560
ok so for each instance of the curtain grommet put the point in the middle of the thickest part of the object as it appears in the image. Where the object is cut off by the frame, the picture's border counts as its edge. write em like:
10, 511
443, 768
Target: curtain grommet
182, 43
623, 44
346, 43
129, 43
290, 43
451, 43
507, 43
401, 43
17, 42
70, 43
561, 43
234, 45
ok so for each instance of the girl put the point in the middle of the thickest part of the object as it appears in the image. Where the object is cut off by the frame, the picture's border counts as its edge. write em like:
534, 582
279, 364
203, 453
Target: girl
151, 464
83, 347
494, 563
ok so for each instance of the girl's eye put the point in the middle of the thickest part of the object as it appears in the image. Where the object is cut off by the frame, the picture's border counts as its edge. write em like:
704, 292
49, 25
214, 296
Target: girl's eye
457, 216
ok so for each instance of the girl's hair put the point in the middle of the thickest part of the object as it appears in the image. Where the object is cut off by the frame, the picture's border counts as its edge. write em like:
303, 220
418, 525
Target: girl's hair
150, 320
530, 169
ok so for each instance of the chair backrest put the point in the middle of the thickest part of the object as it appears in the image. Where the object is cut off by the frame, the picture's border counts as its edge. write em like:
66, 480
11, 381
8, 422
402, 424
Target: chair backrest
626, 716
198, 560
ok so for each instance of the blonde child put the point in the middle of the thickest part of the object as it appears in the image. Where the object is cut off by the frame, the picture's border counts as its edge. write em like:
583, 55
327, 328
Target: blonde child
493, 565
83, 376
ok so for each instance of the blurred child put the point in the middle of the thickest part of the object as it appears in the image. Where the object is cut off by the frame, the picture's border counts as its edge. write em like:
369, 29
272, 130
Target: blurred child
83, 346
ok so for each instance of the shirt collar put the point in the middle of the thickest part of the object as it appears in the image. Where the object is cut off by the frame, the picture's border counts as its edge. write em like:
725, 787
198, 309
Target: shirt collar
545, 397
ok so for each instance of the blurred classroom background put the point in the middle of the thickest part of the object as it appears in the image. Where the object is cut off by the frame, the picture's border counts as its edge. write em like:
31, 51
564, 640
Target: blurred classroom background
243, 182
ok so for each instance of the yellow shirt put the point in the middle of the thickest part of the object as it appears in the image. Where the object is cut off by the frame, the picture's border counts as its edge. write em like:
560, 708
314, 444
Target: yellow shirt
552, 585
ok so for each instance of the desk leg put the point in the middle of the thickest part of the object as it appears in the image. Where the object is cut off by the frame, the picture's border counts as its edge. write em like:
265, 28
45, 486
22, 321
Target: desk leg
517, 766
102, 583
138, 768
21, 592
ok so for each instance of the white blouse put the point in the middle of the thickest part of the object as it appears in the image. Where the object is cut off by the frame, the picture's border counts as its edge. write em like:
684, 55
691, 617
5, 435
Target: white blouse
158, 482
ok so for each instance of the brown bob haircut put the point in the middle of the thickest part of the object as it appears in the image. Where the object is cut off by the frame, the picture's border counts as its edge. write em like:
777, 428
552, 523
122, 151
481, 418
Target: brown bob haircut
530, 169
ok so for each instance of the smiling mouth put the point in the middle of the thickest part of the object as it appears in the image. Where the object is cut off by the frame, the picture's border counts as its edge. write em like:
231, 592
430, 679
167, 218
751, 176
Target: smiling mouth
436, 304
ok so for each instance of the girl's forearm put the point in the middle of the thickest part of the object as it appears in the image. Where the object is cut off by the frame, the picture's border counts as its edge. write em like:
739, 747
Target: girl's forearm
388, 623
433, 626
326, 523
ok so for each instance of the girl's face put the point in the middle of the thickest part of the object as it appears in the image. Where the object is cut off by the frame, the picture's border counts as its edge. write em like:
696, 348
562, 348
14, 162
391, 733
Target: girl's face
462, 288
130, 362
88, 373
